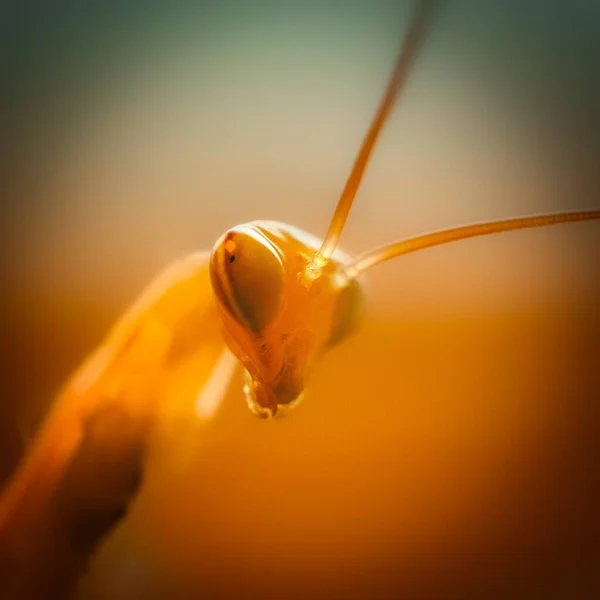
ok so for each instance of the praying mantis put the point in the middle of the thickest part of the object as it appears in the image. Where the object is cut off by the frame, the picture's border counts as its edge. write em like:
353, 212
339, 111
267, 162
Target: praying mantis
273, 296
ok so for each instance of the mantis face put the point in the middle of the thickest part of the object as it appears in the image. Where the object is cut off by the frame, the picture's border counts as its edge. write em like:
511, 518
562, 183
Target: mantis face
277, 316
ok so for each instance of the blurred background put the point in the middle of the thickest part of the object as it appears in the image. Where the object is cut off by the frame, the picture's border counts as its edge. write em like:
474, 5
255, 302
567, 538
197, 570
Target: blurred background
449, 448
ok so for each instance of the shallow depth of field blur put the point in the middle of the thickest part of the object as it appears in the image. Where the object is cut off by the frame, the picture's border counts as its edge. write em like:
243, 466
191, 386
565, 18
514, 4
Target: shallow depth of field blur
447, 448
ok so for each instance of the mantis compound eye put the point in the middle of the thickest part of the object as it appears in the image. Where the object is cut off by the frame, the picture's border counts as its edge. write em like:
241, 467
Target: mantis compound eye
248, 277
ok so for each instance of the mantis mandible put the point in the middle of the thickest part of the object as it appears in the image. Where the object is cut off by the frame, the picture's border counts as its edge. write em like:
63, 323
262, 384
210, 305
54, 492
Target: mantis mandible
275, 296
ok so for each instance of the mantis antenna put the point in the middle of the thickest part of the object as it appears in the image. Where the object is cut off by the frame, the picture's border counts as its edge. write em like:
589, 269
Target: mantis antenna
417, 29
436, 238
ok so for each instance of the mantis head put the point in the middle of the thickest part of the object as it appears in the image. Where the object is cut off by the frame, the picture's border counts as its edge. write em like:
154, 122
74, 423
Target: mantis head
278, 313
284, 297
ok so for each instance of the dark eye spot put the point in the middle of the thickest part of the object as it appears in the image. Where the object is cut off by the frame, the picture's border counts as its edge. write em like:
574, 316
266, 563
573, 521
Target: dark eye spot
232, 258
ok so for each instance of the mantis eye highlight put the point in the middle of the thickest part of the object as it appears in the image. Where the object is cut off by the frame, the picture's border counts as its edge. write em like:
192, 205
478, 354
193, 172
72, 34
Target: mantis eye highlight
247, 276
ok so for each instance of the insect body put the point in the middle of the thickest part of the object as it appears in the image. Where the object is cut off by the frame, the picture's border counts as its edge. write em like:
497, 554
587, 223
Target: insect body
283, 298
